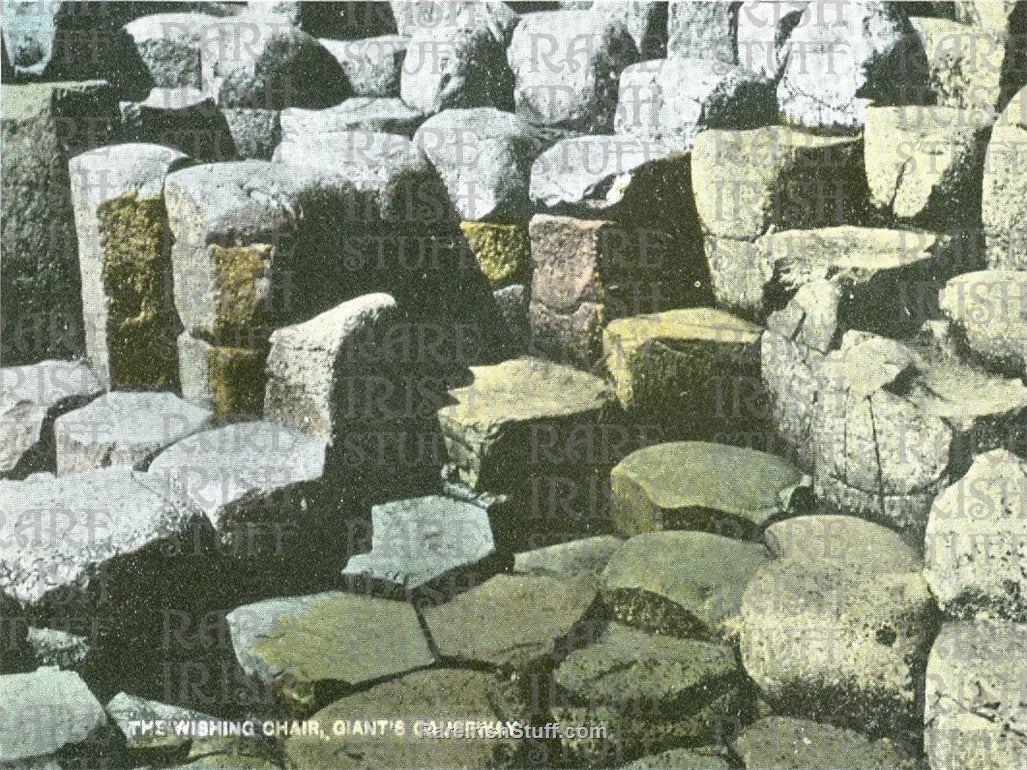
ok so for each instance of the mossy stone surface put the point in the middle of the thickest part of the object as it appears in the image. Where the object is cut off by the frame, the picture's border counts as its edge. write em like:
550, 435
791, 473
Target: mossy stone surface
503, 250
696, 485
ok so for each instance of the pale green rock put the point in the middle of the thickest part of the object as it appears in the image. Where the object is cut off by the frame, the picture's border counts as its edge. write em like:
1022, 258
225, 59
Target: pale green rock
681, 583
696, 485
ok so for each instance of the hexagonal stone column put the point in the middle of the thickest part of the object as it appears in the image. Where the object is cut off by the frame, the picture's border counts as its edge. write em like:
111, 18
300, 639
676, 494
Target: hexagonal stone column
972, 701
125, 262
642, 688
747, 182
840, 634
572, 86
426, 542
264, 489
281, 643
31, 398
123, 429
112, 544
722, 489
687, 371
45, 124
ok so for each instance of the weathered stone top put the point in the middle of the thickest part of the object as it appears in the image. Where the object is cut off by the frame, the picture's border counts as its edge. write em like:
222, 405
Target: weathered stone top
32, 100
961, 394
703, 324
842, 539
44, 712
695, 474
525, 389
587, 556
359, 113
81, 521
108, 172
141, 419
169, 26
237, 462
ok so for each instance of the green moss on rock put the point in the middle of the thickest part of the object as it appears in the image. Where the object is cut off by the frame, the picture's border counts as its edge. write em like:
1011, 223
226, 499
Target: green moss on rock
242, 284
142, 323
503, 250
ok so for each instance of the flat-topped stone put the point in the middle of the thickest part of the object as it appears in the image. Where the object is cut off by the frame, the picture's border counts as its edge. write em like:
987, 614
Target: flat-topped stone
169, 45
723, 489
31, 398
435, 697
839, 640
675, 369
587, 556
260, 484
125, 262
45, 713
420, 541
309, 649
360, 113
117, 547
124, 429
685, 584
489, 424
513, 623
650, 691
844, 539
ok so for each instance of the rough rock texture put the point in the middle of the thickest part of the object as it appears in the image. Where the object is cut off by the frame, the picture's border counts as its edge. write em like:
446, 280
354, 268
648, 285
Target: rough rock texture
316, 368
1005, 190
49, 712
651, 691
484, 156
512, 623
587, 272
646, 22
684, 370
974, 543
433, 697
833, 537
588, 556
42, 307
169, 45
775, 743
973, 709
706, 30
839, 637
989, 308
125, 263
509, 408
692, 485
312, 649
254, 132
776, 178
185, 119
763, 30
965, 68
699, 758
455, 68
113, 544
372, 65
281, 67
840, 58
123, 429
503, 251
576, 86
422, 541
31, 398
924, 164
685, 584
359, 114
228, 379
497, 18
260, 485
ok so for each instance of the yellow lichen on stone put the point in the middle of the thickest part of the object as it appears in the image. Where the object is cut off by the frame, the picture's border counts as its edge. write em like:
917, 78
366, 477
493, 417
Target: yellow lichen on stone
236, 380
141, 319
503, 250
242, 276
